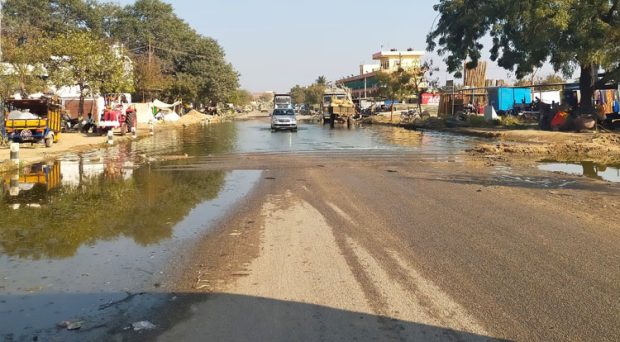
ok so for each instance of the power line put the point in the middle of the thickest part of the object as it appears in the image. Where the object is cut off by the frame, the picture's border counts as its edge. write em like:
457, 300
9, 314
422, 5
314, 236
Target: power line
169, 50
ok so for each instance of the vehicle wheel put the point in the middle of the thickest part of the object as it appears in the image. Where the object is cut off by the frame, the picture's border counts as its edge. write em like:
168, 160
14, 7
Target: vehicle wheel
49, 140
294, 129
123, 129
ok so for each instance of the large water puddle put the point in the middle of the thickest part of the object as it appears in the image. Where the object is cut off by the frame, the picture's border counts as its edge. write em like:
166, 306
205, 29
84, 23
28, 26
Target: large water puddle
255, 136
71, 241
588, 169
83, 238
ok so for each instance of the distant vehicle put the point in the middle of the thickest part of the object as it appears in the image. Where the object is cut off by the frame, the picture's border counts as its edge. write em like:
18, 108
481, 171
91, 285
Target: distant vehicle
337, 106
120, 117
282, 101
283, 119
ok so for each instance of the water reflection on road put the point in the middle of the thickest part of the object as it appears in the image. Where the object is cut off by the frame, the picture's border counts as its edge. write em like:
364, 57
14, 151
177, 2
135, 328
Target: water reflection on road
103, 223
609, 173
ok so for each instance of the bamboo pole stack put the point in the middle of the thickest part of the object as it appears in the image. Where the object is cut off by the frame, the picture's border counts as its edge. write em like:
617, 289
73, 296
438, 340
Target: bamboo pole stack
476, 77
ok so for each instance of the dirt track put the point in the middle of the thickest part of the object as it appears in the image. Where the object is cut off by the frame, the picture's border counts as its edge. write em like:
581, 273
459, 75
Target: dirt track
536, 145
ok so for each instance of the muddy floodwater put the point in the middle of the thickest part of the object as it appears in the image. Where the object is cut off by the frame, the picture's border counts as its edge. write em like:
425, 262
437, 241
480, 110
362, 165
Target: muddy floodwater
89, 238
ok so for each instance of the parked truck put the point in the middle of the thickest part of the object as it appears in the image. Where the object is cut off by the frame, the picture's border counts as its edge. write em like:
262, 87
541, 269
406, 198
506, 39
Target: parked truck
337, 106
33, 121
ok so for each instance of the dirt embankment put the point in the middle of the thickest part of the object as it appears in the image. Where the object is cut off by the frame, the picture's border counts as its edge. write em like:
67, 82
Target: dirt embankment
525, 144
597, 147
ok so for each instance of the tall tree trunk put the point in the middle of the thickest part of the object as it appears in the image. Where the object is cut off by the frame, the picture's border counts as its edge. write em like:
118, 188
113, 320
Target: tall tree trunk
81, 108
587, 86
419, 94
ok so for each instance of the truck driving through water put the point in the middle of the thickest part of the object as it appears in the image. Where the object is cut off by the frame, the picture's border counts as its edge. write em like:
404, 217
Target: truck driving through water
337, 106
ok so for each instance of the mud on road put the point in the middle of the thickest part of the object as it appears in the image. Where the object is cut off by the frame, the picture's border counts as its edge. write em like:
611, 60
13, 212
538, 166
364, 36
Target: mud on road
599, 148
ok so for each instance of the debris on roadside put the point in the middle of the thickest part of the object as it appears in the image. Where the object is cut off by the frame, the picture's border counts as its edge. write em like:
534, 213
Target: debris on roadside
70, 325
143, 325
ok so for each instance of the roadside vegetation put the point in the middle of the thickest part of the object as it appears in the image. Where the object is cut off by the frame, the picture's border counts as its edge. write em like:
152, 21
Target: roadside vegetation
148, 50
310, 95
527, 34
404, 84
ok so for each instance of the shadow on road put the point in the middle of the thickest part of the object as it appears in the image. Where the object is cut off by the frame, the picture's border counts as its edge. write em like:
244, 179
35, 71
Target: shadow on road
229, 317
203, 317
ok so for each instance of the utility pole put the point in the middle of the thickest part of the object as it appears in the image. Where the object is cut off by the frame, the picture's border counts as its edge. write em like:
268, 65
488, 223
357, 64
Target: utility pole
1, 17
2, 123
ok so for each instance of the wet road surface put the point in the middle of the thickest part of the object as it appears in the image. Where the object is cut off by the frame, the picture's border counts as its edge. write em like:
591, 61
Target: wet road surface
495, 253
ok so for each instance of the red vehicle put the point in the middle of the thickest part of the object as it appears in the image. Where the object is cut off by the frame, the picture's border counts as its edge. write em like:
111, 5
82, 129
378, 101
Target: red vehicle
117, 118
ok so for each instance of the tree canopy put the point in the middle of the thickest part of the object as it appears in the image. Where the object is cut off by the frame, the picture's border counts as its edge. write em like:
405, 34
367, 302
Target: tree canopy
241, 97
84, 60
23, 70
195, 65
310, 95
529, 33
172, 61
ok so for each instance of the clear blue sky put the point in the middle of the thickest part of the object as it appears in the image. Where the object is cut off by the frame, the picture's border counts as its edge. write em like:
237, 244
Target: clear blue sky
276, 44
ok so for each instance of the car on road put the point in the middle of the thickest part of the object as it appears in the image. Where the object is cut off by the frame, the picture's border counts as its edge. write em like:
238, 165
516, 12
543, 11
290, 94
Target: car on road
283, 119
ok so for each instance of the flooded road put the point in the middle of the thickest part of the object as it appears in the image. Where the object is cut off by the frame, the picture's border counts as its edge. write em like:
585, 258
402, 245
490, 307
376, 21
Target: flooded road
84, 232
100, 238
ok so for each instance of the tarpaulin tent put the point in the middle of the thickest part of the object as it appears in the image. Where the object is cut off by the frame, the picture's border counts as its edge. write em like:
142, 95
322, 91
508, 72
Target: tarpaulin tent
162, 105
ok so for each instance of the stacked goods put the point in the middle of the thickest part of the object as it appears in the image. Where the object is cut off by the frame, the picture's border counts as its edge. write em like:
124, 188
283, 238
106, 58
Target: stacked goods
476, 77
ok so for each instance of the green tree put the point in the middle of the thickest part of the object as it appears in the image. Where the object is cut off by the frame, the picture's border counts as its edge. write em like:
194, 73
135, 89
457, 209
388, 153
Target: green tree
55, 17
422, 80
298, 94
196, 65
88, 62
171, 59
526, 34
149, 77
314, 94
553, 79
240, 97
321, 80
23, 69
398, 85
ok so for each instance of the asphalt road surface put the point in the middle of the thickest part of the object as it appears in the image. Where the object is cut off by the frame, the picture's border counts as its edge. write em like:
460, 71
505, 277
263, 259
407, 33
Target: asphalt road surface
359, 246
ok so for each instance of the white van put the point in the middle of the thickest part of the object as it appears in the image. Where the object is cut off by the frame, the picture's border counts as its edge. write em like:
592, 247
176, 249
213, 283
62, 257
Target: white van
283, 119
